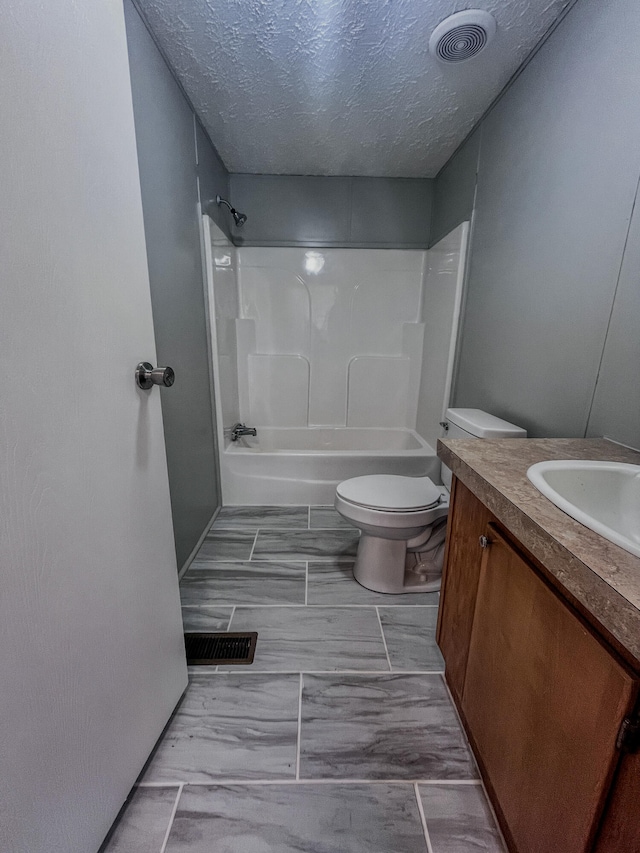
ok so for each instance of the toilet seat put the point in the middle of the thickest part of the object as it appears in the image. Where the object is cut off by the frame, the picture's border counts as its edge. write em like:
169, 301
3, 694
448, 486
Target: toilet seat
390, 493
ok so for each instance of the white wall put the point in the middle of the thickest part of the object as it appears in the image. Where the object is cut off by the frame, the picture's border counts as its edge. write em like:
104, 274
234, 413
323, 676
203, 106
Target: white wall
329, 337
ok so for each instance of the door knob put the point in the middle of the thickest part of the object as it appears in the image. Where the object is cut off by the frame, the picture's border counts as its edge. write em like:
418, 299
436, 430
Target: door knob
147, 376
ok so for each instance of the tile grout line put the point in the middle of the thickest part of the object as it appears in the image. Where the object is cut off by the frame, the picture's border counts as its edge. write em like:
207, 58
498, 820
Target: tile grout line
172, 818
423, 818
384, 640
306, 584
298, 604
200, 565
337, 780
433, 673
253, 547
287, 558
233, 613
298, 745
248, 528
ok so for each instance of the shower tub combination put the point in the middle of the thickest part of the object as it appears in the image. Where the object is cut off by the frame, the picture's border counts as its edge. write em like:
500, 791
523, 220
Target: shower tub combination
342, 359
303, 465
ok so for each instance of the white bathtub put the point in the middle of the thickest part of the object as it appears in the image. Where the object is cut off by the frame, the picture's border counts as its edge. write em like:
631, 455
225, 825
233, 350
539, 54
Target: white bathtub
295, 465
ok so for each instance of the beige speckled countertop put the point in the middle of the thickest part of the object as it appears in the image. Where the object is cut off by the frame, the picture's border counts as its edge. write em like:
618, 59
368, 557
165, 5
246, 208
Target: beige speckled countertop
603, 578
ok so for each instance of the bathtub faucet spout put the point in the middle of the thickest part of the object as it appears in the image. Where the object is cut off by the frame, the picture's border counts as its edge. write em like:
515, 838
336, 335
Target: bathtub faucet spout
240, 429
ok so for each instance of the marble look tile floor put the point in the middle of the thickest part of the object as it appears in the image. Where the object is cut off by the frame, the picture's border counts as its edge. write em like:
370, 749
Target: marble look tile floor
298, 819
246, 582
145, 821
331, 582
303, 639
206, 618
233, 726
381, 727
459, 819
409, 633
327, 517
341, 736
306, 544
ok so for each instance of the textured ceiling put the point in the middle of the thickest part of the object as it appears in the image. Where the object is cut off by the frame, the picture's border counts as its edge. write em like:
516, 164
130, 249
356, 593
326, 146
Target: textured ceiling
338, 87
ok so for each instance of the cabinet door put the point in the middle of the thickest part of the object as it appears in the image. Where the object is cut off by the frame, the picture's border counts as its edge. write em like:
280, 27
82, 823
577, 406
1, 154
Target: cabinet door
620, 830
543, 700
467, 522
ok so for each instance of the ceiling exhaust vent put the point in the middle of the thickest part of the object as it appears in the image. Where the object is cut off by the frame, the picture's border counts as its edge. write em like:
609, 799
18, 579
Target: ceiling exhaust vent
462, 36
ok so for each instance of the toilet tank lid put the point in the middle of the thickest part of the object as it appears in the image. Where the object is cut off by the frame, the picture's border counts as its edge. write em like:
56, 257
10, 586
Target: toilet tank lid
390, 492
483, 425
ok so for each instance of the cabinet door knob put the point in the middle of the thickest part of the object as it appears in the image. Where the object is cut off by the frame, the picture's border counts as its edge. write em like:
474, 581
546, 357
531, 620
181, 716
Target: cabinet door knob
484, 542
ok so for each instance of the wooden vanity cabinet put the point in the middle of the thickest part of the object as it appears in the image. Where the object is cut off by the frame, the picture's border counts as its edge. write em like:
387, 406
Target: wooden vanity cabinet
620, 828
541, 696
467, 521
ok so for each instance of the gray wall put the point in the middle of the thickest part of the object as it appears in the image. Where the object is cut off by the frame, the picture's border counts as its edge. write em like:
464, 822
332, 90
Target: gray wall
291, 210
213, 180
559, 160
454, 189
166, 132
616, 404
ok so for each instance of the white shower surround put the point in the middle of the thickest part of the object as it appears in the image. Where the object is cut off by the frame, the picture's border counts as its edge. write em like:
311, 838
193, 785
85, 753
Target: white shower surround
325, 353
329, 337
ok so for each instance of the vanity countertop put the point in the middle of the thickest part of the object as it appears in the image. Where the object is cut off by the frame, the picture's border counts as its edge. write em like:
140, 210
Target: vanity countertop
602, 579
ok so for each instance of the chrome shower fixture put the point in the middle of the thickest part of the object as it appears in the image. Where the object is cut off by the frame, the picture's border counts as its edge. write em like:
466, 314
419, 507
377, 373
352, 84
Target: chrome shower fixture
238, 218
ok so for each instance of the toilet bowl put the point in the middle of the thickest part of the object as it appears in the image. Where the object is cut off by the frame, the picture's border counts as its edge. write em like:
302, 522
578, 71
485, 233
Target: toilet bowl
402, 520
395, 516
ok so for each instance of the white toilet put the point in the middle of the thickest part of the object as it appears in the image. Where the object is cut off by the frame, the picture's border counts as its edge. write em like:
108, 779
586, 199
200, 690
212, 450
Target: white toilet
402, 520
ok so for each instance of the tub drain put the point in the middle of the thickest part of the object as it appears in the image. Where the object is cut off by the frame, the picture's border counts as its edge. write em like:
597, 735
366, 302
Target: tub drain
209, 649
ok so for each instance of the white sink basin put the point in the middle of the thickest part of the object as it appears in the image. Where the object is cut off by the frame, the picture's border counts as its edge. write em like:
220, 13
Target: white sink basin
604, 496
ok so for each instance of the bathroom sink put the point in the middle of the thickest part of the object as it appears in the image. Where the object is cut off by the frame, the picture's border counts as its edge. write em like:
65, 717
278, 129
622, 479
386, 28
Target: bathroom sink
604, 496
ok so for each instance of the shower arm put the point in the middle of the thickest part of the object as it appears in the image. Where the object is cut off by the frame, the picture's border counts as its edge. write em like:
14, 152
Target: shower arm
238, 218
220, 200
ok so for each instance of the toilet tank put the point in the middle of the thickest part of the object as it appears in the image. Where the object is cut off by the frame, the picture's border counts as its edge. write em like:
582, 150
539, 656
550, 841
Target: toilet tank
474, 423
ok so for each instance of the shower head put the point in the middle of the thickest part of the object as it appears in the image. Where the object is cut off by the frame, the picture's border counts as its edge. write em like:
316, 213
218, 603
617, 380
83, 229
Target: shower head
238, 218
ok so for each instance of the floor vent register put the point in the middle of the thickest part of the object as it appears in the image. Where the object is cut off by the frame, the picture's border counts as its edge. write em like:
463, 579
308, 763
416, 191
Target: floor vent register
210, 649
